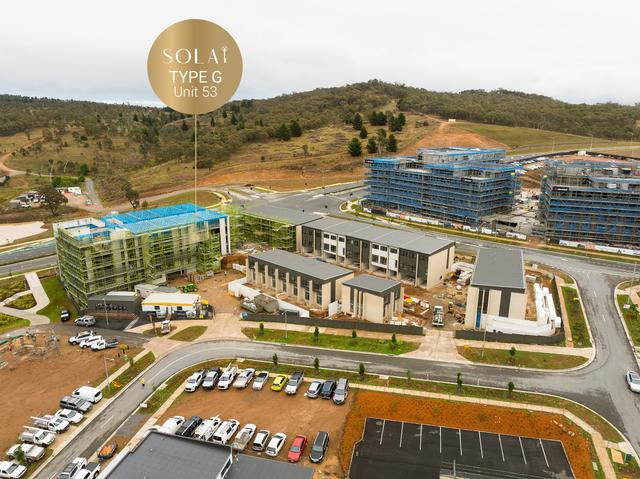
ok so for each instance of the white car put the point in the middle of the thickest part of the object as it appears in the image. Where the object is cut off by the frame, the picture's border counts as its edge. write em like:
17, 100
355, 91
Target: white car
227, 377
244, 378
225, 432
194, 381
87, 342
633, 381
207, 428
261, 440
32, 453
172, 424
74, 417
11, 470
52, 423
275, 445
261, 379
243, 437
82, 335
85, 320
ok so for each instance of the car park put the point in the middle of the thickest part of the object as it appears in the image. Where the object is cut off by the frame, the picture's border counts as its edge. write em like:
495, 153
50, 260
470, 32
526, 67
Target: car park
71, 470
261, 440
226, 431
278, 382
211, 378
93, 395
74, 417
105, 344
11, 470
37, 436
314, 389
171, 425
227, 377
87, 342
82, 335
260, 380
328, 389
207, 428
194, 381
31, 452
75, 403
633, 381
319, 447
294, 382
243, 437
108, 451
297, 448
244, 378
275, 444
85, 321
341, 392
188, 427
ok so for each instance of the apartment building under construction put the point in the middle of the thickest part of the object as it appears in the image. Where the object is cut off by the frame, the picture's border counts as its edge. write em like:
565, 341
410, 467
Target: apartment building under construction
591, 201
120, 250
461, 185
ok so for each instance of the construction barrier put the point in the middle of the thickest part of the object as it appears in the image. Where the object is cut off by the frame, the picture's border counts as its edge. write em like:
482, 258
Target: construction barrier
473, 335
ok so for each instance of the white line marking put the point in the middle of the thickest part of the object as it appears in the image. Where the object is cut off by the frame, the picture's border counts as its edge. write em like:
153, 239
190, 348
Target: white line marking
401, 431
382, 432
501, 450
460, 437
543, 453
522, 449
440, 439
481, 452
420, 447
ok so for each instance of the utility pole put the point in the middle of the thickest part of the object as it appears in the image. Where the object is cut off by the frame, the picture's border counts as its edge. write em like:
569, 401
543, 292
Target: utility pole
286, 331
106, 371
104, 301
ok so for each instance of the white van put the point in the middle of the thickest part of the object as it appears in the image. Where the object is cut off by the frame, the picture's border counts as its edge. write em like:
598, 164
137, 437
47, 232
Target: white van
93, 395
225, 431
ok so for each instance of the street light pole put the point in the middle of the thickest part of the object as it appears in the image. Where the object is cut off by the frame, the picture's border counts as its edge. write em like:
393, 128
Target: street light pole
104, 300
286, 331
106, 371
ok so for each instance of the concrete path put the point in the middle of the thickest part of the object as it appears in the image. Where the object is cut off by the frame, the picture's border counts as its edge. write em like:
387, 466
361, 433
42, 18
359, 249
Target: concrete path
35, 288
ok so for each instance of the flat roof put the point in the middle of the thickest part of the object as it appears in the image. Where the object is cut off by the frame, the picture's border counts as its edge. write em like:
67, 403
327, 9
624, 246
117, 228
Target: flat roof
397, 238
283, 215
372, 283
499, 268
301, 264
115, 297
251, 467
184, 299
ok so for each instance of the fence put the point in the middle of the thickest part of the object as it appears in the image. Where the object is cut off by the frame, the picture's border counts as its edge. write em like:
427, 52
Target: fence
474, 335
334, 323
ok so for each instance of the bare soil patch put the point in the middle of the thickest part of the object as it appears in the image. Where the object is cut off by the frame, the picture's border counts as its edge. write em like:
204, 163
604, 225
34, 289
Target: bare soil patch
444, 136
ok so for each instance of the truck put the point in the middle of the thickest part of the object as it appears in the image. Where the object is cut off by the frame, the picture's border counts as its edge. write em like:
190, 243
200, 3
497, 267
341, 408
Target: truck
36, 436
438, 316
52, 423
32, 453
189, 288
165, 326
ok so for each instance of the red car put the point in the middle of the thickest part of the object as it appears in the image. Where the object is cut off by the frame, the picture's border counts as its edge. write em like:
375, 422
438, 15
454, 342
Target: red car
297, 448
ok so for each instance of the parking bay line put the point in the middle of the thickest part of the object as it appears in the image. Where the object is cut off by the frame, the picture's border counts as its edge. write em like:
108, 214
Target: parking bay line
440, 439
480, 439
543, 453
420, 447
460, 437
401, 431
522, 449
501, 450
382, 432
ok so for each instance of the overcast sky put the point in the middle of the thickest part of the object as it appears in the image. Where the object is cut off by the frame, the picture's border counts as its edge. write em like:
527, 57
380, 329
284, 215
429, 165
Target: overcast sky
574, 50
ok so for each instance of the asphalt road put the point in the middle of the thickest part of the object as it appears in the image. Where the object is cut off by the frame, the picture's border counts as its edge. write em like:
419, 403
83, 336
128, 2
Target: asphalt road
27, 265
30, 251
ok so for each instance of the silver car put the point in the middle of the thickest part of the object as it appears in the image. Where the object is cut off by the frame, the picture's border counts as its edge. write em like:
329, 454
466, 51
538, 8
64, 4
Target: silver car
314, 389
633, 381
244, 378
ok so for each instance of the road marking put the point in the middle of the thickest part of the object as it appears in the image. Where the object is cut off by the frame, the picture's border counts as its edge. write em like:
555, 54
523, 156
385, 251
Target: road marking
440, 439
401, 431
604, 318
382, 432
420, 447
543, 453
522, 449
501, 450
481, 452
460, 437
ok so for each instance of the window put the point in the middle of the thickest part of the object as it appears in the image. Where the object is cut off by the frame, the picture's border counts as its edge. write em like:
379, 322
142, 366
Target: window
306, 294
319, 298
157, 308
393, 250
273, 281
179, 308
383, 248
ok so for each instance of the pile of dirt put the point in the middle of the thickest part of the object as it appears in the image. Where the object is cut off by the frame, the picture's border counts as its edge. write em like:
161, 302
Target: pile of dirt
445, 135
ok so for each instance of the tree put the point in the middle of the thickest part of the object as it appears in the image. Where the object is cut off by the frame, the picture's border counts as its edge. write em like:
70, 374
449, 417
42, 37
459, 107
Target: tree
363, 133
213, 121
372, 146
234, 119
459, 381
355, 147
145, 204
130, 193
316, 334
295, 129
261, 329
274, 358
184, 126
356, 121
511, 387
408, 375
83, 170
392, 144
401, 119
283, 133
316, 364
354, 334
394, 341
512, 354
361, 370
52, 198
378, 118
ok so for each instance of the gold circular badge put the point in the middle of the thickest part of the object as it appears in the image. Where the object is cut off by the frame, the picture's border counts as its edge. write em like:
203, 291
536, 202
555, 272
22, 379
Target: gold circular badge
194, 66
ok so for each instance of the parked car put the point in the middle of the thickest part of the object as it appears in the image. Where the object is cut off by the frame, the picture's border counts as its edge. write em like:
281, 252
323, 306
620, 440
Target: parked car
341, 392
108, 451
82, 335
90, 471
294, 383
328, 389
244, 378
85, 321
633, 381
65, 315
105, 344
261, 440
51, 423
194, 381
314, 389
243, 437
297, 448
260, 380
227, 377
172, 424
211, 378
275, 444
87, 342
278, 382
74, 417
225, 432
36, 436
11, 470
189, 426
32, 453
207, 428
319, 447
71, 470
93, 395
75, 403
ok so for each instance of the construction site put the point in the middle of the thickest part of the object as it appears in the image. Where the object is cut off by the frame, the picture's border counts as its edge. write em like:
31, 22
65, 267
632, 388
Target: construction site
120, 250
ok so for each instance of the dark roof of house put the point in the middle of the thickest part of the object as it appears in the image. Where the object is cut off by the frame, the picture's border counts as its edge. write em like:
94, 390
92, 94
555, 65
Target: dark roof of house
125, 298
499, 268
394, 237
301, 264
371, 283
165, 456
283, 215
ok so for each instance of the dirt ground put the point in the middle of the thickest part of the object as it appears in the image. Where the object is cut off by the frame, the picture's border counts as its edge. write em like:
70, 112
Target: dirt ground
275, 411
444, 136
31, 386
215, 290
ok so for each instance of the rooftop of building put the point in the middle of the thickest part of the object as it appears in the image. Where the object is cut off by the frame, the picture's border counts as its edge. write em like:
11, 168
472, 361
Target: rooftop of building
280, 214
499, 268
121, 296
373, 284
171, 299
301, 264
396, 238
166, 456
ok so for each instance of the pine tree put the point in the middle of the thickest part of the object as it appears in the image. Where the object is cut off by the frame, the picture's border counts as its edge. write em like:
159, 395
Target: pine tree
283, 133
184, 126
363, 133
355, 147
234, 119
372, 146
213, 121
295, 128
392, 144
401, 119
357, 121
